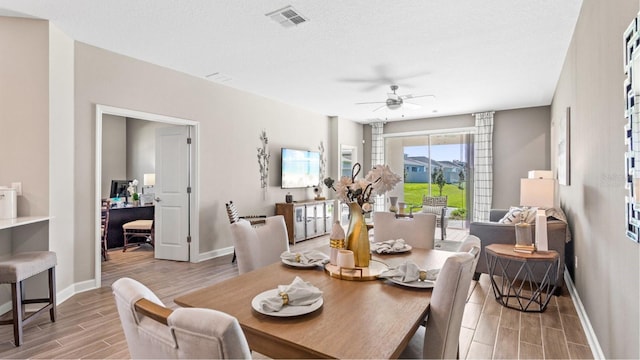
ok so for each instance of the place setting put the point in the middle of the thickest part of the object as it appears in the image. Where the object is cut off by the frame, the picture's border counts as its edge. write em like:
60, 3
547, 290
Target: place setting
295, 299
304, 259
397, 246
410, 275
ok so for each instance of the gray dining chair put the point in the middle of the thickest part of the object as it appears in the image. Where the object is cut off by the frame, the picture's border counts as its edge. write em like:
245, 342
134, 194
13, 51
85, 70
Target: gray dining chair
417, 231
153, 331
439, 338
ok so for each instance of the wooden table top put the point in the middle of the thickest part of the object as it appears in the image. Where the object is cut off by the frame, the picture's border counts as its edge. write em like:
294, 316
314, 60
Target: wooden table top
506, 250
359, 319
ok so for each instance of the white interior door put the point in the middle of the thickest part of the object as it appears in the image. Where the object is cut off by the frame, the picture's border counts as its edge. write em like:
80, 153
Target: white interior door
172, 220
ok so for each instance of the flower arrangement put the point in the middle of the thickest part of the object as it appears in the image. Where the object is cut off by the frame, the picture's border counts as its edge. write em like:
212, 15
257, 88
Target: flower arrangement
378, 181
133, 190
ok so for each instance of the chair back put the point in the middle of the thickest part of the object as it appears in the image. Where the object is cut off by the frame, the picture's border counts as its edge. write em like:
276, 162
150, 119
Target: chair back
261, 245
434, 200
418, 231
472, 246
447, 307
232, 212
190, 333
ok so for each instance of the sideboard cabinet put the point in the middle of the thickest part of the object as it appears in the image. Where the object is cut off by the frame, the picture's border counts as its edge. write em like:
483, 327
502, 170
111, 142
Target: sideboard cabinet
306, 219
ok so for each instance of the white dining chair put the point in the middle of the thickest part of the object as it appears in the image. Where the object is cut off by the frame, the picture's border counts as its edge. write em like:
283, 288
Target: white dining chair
439, 338
418, 231
156, 332
260, 245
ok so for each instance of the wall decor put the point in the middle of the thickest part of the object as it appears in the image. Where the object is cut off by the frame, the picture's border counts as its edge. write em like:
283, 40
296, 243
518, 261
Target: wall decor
632, 131
323, 167
564, 141
263, 162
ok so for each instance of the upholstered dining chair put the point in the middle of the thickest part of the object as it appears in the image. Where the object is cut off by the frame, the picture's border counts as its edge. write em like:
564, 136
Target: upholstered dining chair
417, 231
261, 245
156, 332
472, 246
439, 338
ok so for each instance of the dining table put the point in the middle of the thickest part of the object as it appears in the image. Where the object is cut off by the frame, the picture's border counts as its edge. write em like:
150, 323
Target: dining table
357, 319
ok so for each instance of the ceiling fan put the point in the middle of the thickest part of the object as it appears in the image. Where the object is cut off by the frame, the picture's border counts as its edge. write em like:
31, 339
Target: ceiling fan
395, 101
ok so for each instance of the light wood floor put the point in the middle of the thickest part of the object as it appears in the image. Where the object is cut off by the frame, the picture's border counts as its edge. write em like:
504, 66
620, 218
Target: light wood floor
88, 325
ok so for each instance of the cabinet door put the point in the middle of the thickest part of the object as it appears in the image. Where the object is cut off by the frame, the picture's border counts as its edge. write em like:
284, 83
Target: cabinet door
328, 216
319, 219
299, 223
311, 220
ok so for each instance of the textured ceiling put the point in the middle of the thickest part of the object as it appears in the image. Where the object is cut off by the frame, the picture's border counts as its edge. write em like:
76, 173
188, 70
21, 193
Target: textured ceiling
472, 55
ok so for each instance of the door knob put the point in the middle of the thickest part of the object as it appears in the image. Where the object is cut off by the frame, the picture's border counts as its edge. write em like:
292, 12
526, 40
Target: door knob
157, 199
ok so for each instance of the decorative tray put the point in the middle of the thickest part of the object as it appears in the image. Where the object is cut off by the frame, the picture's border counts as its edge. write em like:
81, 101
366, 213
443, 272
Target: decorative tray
358, 273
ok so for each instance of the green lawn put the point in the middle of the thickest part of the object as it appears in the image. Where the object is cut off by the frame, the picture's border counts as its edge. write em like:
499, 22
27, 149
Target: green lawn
413, 194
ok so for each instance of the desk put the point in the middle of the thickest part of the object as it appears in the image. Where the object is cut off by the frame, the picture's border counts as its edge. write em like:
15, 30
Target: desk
121, 216
359, 319
522, 292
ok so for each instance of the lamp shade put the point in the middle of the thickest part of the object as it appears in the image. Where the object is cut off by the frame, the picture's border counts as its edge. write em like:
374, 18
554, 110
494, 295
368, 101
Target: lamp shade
537, 192
149, 179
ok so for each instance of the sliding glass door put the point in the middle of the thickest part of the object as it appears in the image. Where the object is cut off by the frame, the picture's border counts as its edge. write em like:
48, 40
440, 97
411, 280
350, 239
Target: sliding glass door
437, 164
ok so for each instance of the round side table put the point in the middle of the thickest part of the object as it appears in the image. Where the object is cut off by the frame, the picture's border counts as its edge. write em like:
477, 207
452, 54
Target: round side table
524, 291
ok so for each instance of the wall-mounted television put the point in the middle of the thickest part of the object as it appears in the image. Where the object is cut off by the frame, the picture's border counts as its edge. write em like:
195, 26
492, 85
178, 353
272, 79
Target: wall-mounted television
300, 168
119, 188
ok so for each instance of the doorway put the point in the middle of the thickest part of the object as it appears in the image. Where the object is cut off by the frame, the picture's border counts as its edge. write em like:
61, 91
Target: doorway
102, 112
435, 164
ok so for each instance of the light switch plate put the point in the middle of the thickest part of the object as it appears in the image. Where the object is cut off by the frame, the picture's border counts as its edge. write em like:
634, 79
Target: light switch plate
18, 187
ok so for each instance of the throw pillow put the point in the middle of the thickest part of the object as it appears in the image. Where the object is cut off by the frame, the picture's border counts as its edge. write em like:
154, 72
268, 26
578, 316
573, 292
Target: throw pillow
432, 209
514, 214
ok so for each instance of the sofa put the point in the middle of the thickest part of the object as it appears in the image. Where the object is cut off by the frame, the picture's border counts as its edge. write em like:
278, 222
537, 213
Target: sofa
493, 232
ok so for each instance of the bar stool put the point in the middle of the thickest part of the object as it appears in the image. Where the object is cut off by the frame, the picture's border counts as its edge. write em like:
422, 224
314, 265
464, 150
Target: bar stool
137, 228
14, 269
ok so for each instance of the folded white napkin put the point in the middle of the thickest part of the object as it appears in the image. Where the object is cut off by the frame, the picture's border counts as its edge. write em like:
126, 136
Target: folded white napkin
298, 293
389, 246
306, 257
410, 272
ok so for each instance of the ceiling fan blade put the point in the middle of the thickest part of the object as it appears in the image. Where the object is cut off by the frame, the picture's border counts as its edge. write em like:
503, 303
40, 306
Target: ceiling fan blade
409, 96
372, 102
410, 106
379, 108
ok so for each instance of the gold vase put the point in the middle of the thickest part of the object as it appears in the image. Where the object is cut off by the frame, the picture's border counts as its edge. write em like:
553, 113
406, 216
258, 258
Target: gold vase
358, 236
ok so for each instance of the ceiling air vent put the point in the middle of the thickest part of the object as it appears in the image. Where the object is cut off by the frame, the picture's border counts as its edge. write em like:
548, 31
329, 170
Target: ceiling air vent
287, 17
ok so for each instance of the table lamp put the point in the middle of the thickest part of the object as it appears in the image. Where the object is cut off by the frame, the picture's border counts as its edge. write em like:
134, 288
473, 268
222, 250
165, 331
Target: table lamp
149, 181
539, 190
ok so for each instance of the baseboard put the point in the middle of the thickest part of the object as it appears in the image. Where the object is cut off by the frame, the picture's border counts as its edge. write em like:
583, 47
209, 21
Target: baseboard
215, 253
592, 339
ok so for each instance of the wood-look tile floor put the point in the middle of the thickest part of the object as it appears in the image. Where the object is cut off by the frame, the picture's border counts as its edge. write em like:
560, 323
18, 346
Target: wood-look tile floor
88, 325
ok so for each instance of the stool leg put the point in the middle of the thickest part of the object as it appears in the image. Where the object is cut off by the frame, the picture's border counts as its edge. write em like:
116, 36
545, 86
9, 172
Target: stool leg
52, 293
16, 299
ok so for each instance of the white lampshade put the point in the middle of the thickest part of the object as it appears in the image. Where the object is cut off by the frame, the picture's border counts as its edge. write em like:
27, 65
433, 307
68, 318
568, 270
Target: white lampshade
537, 192
149, 179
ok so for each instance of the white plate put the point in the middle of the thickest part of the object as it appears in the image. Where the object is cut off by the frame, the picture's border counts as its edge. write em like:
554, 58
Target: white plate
300, 265
414, 284
287, 310
406, 248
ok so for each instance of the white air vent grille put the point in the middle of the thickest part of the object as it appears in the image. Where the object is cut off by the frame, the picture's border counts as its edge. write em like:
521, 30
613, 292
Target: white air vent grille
287, 17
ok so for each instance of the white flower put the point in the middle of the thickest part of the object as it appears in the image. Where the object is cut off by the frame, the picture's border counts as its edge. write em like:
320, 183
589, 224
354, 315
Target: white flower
366, 207
383, 179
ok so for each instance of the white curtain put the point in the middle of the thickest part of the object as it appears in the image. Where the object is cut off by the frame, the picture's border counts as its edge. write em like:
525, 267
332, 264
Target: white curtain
377, 157
483, 166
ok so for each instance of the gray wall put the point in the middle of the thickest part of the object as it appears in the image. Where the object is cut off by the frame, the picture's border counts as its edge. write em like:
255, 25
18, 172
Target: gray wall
114, 151
521, 139
591, 83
